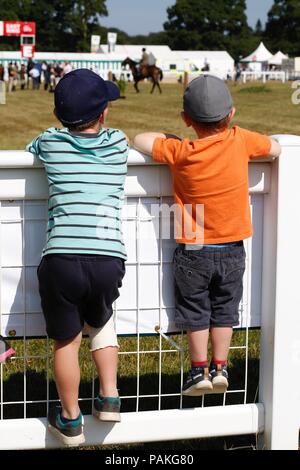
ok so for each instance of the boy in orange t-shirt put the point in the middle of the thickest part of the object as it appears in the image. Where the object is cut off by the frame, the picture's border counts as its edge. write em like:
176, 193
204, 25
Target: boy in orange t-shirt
210, 173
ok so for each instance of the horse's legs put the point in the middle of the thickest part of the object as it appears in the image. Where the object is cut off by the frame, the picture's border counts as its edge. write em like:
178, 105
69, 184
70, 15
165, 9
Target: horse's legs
136, 87
155, 81
153, 86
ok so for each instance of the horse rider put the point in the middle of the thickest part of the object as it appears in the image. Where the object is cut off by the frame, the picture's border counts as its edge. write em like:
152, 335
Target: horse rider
144, 62
145, 57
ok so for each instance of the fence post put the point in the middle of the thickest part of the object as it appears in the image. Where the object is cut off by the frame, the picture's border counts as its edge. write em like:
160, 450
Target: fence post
280, 338
185, 80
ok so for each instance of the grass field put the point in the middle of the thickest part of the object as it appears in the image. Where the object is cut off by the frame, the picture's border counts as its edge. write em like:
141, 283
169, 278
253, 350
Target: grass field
263, 108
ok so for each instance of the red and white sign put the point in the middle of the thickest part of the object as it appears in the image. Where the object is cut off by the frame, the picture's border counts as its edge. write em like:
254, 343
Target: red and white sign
17, 28
27, 51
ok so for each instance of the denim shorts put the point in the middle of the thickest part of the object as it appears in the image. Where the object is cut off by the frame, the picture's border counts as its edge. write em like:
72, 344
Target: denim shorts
208, 286
78, 288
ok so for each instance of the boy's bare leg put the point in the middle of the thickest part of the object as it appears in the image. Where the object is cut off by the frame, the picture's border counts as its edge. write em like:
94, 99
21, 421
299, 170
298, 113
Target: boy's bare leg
220, 342
67, 374
106, 361
198, 341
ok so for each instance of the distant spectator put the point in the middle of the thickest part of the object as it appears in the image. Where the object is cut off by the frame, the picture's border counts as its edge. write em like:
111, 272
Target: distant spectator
15, 80
47, 74
23, 76
52, 79
238, 72
11, 77
30, 65
1, 73
38, 66
206, 67
67, 68
58, 71
35, 74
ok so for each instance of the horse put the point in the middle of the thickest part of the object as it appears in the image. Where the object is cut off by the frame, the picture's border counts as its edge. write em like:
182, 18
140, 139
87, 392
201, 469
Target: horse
144, 71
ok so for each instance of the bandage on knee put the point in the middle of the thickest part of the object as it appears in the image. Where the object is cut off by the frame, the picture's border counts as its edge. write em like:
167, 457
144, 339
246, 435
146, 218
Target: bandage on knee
102, 337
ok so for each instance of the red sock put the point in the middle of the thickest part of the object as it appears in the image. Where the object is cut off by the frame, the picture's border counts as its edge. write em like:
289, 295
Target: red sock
200, 364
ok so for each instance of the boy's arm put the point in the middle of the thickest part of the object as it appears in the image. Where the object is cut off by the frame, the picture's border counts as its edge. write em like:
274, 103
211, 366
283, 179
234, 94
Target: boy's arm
144, 142
33, 147
261, 146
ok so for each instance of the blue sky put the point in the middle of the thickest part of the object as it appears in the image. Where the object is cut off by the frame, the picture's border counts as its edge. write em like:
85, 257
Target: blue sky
144, 16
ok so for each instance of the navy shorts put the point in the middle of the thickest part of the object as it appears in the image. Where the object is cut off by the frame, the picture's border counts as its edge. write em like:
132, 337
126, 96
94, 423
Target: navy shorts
208, 286
78, 288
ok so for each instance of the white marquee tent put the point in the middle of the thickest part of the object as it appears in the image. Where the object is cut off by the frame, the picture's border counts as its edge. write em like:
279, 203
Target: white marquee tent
277, 58
220, 62
258, 57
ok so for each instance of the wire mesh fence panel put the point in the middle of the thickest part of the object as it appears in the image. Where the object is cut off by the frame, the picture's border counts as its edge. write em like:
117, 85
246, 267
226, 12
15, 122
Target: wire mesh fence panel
153, 355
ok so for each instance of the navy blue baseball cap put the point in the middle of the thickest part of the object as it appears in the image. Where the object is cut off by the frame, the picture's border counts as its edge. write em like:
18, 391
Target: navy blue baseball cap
81, 96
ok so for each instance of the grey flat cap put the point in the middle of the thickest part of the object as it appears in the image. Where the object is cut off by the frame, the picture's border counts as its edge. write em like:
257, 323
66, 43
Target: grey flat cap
207, 99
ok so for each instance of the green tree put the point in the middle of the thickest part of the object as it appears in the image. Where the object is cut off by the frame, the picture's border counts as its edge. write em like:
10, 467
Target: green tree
258, 28
199, 24
62, 25
83, 20
283, 26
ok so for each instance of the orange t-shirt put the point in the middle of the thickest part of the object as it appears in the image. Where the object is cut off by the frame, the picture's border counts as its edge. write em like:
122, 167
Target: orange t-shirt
212, 174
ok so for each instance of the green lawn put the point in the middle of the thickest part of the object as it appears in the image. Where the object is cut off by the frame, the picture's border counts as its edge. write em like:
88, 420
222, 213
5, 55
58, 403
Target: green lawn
265, 108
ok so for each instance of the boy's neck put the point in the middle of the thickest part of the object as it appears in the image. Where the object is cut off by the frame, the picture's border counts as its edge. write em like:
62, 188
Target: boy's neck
89, 130
205, 133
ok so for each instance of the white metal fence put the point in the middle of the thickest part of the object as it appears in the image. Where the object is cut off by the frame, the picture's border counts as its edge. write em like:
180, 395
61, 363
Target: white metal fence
154, 406
264, 75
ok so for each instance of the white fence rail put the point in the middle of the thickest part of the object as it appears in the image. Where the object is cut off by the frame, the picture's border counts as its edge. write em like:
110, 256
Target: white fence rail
264, 76
269, 300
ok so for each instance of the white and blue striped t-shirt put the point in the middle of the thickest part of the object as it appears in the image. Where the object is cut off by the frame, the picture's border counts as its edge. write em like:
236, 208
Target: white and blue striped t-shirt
86, 175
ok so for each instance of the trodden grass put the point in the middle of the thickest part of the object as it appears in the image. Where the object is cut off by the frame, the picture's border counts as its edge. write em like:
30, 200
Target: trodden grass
265, 108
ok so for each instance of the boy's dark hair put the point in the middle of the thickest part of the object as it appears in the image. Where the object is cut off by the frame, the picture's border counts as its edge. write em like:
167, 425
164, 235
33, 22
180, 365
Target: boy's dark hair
81, 127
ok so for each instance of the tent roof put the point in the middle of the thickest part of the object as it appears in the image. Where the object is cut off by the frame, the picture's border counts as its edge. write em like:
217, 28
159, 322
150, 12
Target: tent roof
261, 54
277, 58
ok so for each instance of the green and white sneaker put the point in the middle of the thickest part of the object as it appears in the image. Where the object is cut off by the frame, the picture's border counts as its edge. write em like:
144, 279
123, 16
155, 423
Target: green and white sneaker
107, 408
69, 432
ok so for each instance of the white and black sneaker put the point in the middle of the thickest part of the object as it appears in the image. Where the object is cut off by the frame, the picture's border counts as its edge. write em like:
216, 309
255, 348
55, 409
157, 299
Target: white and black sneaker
198, 382
219, 377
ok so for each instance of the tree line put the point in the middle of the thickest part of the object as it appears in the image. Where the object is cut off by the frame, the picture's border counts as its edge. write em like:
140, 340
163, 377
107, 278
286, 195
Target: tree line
67, 25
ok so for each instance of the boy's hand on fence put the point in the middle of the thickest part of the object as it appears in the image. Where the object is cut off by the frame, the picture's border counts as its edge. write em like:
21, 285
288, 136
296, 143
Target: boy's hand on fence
275, 148
172, 136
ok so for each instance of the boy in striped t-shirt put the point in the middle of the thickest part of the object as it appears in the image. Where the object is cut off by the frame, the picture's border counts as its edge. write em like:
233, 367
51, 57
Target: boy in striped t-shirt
82, 264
